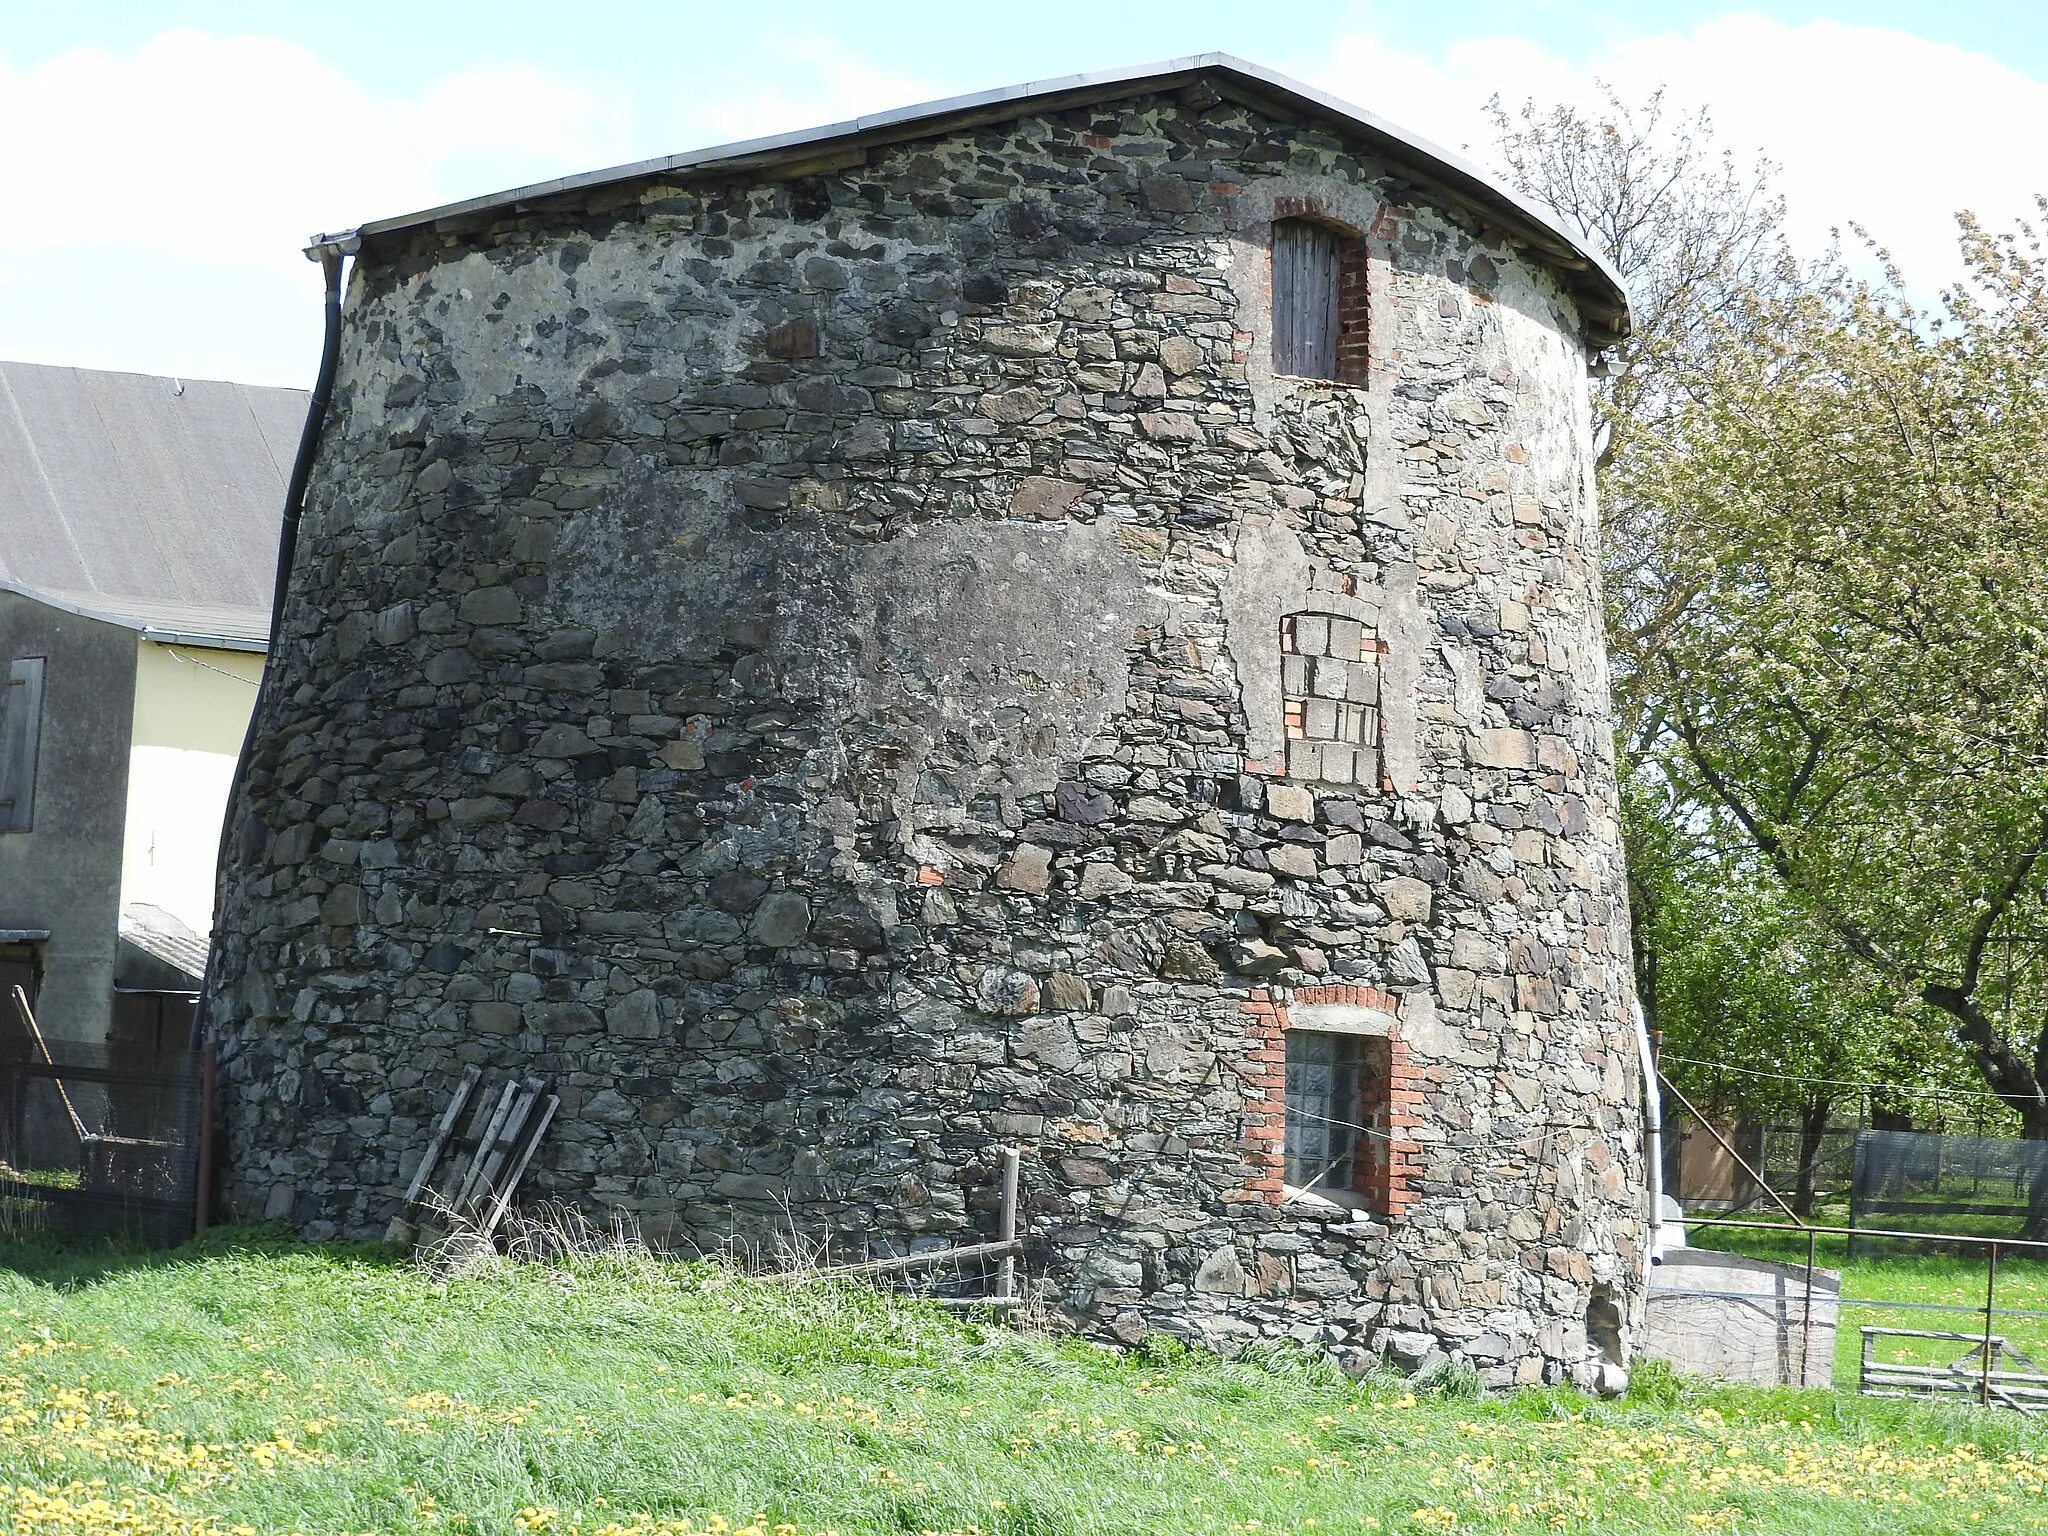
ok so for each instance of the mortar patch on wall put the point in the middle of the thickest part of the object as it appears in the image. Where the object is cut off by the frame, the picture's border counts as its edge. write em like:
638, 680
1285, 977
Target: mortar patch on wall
1311, 712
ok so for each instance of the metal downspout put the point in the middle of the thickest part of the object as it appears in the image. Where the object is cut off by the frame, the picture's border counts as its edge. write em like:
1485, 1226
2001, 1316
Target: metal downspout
1653, 1142
330, 258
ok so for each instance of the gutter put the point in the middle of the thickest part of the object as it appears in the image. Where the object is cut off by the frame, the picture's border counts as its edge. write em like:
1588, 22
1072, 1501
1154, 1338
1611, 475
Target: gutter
202, 642
330, 258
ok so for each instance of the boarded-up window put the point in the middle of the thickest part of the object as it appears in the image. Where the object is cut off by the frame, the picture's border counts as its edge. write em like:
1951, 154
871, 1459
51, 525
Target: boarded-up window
21, 729
1319, 302
1330, 698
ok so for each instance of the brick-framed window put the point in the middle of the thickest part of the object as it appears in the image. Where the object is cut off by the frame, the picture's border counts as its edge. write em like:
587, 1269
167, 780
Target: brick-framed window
1330, 698
1321, 311
1336, 1091
1306, 1080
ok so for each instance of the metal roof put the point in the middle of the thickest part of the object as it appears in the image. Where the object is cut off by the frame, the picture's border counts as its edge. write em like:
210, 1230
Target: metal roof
142, 494
1592, 278
212, 626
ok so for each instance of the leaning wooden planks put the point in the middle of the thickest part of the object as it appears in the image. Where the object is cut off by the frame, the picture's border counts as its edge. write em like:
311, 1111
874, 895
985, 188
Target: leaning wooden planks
465, 1180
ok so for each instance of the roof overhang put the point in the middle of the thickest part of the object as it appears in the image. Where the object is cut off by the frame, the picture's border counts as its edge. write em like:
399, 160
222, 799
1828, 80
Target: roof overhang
1594, 283
201, 626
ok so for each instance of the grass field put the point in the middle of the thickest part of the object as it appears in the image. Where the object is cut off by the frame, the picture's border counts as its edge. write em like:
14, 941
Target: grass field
260, 1386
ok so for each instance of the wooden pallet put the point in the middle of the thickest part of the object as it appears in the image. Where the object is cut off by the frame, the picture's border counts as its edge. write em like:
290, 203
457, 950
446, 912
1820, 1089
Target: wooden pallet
466, 1179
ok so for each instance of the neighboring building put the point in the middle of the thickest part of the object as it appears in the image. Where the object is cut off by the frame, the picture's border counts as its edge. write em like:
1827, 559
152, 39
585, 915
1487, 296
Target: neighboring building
138, 543
1070, 615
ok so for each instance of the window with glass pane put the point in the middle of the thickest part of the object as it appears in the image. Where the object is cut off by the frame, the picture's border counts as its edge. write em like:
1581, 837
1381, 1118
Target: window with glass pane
1323, 1109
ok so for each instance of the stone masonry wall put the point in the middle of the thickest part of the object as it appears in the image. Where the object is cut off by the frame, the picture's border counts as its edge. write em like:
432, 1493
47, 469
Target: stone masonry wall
800, 663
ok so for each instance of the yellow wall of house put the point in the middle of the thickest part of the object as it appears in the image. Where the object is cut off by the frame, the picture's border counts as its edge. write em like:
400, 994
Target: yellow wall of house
191, 709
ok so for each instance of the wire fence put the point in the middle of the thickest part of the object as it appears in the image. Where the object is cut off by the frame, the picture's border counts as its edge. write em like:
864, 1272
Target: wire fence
971, 1275
1990, 1186
1981, 1363
91, 1143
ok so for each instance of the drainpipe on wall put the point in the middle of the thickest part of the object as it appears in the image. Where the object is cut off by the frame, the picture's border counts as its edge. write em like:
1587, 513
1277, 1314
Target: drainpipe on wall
328, 250
1653, 1142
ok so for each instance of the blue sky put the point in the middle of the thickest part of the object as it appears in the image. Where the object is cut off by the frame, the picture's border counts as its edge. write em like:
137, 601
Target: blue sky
651, 49
177, 155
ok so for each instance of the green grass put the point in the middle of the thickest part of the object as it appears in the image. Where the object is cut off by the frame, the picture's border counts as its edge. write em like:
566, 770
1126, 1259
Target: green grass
42, 1178
263, 1385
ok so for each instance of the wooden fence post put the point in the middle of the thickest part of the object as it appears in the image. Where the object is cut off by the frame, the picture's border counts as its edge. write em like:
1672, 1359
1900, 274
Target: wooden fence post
1006, 1232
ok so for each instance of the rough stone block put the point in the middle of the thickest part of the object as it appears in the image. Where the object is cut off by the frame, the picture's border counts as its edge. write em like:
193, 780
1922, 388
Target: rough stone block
1222, 1274
494, 1018
1289, 802
1050, 1043
1029, 870
636, 1016
1067, 993
1504, 748
1102, 879
490, 605
782, 920
1293, 860
343, 906
685, 755
1022, 340
1455, 987
1045, 496
1405, 898
1007, 993
1181, 355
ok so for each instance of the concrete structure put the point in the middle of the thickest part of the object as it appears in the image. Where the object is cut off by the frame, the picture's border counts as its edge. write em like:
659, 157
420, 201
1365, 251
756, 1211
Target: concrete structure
138, 528
847, 650
1742, 1319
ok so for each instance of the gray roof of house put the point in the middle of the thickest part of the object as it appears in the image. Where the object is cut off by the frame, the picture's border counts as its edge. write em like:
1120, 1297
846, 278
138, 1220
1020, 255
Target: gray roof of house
148, 501
219, 626
165, 936
1592, 278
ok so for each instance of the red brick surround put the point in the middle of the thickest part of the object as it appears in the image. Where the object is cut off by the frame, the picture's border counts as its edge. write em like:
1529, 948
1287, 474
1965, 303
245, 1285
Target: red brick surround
1354, 296
1392, 1189
1354, 315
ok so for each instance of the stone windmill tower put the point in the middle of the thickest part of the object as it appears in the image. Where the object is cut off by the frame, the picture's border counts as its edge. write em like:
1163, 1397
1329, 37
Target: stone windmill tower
1067, 616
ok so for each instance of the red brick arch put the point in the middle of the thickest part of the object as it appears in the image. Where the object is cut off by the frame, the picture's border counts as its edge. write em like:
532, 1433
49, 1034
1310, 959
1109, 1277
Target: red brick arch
1393, 1191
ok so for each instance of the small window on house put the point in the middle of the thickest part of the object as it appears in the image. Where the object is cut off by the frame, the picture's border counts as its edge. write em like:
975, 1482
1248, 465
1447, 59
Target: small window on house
1330, 695
1319, 303
21, 729
1338, 1113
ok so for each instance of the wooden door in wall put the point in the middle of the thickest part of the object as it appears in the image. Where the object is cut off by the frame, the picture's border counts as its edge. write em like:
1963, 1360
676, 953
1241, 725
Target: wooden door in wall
29, 1132
18, 968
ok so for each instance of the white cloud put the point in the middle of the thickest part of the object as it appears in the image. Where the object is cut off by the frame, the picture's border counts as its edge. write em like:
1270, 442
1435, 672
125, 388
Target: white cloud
1868, 124
817, 81
159, 198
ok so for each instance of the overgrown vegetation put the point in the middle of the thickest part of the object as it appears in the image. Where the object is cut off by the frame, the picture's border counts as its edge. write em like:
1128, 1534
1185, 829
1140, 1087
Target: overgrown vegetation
260, 1385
